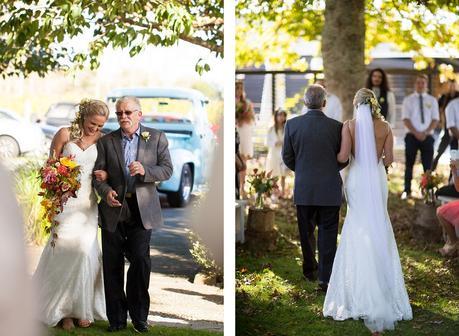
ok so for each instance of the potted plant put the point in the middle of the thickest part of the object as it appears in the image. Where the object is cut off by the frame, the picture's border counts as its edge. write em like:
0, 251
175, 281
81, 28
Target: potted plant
260, 224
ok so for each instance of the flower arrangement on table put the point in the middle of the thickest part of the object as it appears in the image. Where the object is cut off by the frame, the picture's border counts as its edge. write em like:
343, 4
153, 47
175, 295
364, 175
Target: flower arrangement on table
59, 181
263, 184
429, 184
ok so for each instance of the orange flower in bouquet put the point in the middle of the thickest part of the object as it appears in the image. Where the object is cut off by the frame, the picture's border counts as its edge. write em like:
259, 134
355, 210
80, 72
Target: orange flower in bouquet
59, 181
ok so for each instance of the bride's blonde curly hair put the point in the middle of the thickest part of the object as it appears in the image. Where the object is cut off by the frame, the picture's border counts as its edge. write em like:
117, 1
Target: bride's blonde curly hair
367, 96
86, 108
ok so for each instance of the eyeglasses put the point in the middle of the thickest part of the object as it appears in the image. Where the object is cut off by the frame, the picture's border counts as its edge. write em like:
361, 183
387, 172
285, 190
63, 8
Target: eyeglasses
127, 113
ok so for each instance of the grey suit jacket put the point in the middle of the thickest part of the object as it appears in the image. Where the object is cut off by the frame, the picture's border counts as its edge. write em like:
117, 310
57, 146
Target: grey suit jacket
311, 144
154, 156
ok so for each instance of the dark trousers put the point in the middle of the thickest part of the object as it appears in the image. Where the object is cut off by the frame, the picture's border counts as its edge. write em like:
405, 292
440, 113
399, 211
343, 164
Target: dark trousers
130, 240
412, 145
448, 190
326, 218
445, 141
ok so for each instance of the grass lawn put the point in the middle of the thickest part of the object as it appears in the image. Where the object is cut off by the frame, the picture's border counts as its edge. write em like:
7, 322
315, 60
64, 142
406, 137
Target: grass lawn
273, 299
100, 328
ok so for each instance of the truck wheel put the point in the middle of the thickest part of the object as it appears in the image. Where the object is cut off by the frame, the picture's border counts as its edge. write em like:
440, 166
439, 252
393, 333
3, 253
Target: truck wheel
181, 198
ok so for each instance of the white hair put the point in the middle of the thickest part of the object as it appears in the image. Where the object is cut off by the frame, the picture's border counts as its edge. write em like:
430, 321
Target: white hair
125, 99
314, 96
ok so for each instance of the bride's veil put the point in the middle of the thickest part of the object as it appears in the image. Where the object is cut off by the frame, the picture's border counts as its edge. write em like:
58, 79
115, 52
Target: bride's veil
373, 205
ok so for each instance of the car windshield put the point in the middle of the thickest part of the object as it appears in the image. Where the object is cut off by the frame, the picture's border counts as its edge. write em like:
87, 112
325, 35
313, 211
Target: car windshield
66, 111
162, 109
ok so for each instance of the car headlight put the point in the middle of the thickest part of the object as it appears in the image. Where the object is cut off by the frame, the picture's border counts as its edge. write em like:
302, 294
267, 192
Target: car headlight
172, 143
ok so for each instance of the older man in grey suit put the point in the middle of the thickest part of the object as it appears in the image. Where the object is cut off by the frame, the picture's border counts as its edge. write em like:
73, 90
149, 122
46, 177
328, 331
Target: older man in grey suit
135, 158
311, 144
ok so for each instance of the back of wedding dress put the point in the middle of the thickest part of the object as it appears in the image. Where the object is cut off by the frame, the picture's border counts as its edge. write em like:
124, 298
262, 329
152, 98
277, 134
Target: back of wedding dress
367, 280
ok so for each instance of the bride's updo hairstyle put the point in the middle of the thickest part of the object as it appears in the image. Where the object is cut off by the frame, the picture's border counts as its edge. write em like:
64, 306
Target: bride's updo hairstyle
87, 108
366, 96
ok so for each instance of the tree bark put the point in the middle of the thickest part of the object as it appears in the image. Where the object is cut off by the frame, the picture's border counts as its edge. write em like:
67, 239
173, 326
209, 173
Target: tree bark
343, 50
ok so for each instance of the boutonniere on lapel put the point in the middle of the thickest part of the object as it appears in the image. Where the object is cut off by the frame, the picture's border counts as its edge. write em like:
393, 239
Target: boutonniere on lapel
145, 136
381, 100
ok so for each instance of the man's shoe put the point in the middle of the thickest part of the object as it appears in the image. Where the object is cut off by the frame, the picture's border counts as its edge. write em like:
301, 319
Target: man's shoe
405, 195
141, 327
323, 286
116, 327
310, 276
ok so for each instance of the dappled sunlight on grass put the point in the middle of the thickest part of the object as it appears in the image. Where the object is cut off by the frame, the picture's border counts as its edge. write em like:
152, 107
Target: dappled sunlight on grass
272, 298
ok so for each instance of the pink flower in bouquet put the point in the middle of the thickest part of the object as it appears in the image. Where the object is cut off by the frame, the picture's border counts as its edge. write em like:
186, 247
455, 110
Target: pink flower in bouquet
63, 170
50, 177
65, 187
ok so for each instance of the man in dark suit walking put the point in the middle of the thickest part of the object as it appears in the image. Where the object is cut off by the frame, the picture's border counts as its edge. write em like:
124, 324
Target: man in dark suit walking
311, 144
136, 158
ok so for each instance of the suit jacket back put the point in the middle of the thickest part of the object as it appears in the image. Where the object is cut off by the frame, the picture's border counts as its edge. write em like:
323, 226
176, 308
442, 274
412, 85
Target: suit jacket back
311, 144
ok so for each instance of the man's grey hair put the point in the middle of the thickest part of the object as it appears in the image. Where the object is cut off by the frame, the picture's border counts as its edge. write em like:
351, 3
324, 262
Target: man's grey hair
124, 99
314, 96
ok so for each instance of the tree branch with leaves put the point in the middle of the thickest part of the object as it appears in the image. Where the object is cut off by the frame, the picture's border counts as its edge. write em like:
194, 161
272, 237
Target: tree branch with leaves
35, 34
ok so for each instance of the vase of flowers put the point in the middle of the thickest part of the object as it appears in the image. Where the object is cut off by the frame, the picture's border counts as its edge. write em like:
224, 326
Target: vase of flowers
260, 223
429, 184
263, 184
425, 226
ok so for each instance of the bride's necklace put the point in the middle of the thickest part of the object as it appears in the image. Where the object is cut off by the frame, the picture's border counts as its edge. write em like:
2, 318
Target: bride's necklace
83, 144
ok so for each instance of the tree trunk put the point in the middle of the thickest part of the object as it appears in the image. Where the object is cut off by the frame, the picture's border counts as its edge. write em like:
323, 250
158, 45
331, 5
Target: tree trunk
343, 50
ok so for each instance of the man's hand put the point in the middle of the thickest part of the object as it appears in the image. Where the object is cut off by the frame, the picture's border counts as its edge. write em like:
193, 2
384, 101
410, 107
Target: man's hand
421, 136
111, 199
101, 175
136, 168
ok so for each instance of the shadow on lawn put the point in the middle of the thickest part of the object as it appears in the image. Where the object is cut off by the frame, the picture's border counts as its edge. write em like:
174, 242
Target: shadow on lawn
272, 298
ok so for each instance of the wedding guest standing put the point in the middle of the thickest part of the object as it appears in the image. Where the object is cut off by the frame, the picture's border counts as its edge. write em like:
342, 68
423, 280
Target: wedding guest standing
420, 116
447, 139
378, 83
245, 120
452, 120
274, 141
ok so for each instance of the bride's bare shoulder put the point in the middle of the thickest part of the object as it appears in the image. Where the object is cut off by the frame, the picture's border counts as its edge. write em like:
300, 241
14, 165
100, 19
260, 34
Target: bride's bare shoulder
382, 124
63, 135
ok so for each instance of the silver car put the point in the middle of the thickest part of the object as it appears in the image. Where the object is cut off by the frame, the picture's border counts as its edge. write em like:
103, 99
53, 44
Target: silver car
18, 136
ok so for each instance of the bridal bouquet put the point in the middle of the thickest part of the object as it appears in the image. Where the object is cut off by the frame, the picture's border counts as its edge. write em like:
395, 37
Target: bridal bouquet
263, 184
429, 183
59, 181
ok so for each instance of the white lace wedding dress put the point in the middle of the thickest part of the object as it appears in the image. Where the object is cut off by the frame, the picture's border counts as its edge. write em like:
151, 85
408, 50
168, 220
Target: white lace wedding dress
367, 280
69, 277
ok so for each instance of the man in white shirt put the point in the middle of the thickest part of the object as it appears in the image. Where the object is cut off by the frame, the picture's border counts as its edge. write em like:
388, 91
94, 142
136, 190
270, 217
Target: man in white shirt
452, 117
420, 116
333, 108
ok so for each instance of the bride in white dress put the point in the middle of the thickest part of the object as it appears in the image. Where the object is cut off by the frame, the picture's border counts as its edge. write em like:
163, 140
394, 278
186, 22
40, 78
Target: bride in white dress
367, 279
69, 276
